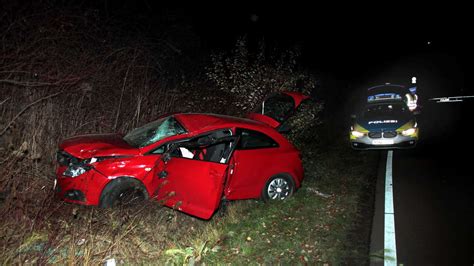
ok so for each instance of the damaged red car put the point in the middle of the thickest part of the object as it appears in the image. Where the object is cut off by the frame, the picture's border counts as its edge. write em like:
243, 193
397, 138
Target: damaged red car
190, 162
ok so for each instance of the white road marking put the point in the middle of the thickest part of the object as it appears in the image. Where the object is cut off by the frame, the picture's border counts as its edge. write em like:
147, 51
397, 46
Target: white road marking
390, 246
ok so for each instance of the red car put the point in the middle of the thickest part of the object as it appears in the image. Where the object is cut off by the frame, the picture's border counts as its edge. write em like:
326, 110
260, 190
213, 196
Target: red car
186, 161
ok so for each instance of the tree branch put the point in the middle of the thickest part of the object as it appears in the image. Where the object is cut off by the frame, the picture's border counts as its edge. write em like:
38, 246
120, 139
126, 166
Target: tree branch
26, 108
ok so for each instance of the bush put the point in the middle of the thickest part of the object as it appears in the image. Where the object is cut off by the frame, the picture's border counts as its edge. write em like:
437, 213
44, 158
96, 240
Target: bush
63, 73
304, 124
247, 78
74, 75
250, 77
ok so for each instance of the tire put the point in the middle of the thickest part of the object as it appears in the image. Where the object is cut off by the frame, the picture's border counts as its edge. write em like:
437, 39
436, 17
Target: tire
279, 187
123, 191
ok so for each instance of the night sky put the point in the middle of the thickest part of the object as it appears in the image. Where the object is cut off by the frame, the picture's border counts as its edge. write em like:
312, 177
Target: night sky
358, 44
348, 45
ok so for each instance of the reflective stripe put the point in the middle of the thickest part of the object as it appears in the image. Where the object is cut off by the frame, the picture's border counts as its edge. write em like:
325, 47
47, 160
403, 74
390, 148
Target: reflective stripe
390, 247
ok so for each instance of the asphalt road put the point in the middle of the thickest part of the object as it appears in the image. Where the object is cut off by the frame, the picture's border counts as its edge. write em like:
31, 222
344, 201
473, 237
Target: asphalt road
433, 188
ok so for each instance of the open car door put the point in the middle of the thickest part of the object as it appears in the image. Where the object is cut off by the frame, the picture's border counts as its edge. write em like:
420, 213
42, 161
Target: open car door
192, 174
277, 108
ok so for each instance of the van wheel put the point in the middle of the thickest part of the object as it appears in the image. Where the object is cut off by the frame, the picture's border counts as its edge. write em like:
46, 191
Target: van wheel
123, 191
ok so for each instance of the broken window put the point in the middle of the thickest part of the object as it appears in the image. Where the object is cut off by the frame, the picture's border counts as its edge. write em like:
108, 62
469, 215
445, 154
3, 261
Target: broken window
153, 132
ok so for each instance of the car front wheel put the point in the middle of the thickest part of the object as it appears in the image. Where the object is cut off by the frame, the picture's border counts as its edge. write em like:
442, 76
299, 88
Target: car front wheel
279, 187
123, 191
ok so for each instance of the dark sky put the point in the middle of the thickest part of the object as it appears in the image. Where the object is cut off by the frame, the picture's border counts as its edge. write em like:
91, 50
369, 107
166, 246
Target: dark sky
366, 43
360, 43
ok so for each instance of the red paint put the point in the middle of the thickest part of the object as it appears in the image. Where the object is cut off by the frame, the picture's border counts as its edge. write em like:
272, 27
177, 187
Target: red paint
252, 168
192, 186
264, 119
298, 97
204, 122
87, 146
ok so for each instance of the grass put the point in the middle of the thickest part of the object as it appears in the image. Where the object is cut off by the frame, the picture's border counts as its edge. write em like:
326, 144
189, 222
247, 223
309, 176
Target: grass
324, 222
65, 97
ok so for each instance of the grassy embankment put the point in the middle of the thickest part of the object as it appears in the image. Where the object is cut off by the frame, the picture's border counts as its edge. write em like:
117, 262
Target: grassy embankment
72, 78
327, 221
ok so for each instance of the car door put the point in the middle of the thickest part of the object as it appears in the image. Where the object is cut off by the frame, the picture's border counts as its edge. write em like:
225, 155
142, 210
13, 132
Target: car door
192, 174
252, 163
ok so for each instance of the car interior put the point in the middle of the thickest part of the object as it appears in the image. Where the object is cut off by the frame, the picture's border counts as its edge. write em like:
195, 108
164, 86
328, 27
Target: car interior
212, 147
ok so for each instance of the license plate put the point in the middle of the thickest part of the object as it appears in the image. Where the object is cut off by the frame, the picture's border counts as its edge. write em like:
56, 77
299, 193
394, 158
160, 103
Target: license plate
382, 141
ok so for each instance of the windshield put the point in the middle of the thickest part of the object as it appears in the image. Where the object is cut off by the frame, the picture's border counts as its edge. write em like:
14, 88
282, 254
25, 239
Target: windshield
153, 132
377, 111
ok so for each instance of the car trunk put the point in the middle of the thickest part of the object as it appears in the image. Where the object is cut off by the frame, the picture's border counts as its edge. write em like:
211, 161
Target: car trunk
277, 108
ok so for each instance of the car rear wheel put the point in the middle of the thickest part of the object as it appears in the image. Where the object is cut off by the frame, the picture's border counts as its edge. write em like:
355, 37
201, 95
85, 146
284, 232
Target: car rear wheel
279, 187
123, 192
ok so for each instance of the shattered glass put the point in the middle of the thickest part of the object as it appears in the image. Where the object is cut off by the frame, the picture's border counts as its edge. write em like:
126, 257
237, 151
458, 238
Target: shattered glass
153, 132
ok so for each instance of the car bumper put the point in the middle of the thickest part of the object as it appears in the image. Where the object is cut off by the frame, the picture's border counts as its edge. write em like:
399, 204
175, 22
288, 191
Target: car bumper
398, 142
84, 189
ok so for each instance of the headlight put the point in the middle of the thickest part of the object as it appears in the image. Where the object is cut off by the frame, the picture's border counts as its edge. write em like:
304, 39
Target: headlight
409, 131
76, 170
357, 134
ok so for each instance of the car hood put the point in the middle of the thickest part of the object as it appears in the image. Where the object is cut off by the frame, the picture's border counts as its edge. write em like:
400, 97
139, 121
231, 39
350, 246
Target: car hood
384, 123
98, 145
